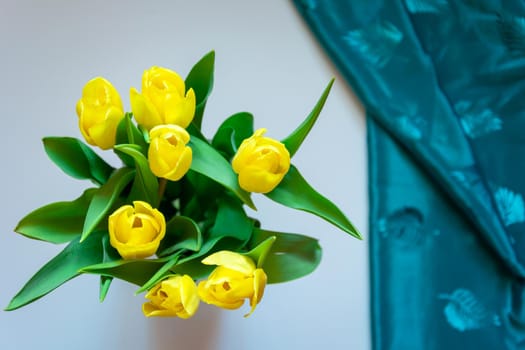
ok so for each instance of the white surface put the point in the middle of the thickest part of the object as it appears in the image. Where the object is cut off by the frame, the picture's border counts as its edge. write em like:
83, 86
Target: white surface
267, 63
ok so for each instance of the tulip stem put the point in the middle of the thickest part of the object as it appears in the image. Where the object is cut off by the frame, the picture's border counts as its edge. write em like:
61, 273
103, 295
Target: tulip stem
162, 188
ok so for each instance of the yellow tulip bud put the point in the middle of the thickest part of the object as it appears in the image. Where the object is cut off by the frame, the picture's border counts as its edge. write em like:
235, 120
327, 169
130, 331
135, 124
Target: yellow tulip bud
174, 297
169, 156
163, 99
236, 278
99, 112
261, 163
136, 231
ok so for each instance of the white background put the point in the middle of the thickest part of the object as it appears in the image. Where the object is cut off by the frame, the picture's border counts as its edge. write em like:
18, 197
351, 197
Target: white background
267, 63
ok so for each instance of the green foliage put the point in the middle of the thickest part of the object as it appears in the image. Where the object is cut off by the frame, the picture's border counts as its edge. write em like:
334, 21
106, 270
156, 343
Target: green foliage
231, 221
105, 283
232, 132
57, 222
289, 257
133, 271
204, 211
261, 251
145, 186
60, 269
182, 233
200, 79
76, 159
160, 274
296, 138
210, 163
296, 193
129, 134
104, 198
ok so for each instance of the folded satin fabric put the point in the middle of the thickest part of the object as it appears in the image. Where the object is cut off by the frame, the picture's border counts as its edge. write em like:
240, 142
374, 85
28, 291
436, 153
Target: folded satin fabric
444, 89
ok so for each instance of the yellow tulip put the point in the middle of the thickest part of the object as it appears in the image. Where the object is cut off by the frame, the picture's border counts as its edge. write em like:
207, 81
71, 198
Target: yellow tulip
173, 297
261, 163
236, 278
163, 99
169, 156
136, 231
99, 112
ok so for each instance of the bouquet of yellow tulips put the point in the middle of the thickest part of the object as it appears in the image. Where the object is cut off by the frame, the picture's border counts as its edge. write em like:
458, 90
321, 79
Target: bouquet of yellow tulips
171, 217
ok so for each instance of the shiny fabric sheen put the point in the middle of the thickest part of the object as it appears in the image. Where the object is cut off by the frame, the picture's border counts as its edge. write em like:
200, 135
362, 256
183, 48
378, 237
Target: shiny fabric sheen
444, 89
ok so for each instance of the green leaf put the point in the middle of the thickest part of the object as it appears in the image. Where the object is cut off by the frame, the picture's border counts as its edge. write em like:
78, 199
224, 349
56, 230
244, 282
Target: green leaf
129, 133
261, 251
113, 266
134, 271
291, 256
296, 193
104, 198
197, 199
60, 269
57, 222
192, 266
146, 185
160, 274
232, 132
231, 231
200, 79
208, 162
194, 132
231, 221
76, 159
181, 233
105, 283
110, 253
296, 138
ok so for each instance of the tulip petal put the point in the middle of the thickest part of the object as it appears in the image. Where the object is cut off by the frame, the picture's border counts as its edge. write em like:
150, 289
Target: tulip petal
223, 274
80, 107
168, 155
102, 91
259, 283
97, 136
175, 296
85, 133
231, 260
206, 294
261, 163
144, 111
99, 110
189, 106
162, 79
164, 92
182, 166
142, 207
157, 164
245, 152
104, 133
254, 179
136, 231
241, 288
189, 296
179, 110
233, 281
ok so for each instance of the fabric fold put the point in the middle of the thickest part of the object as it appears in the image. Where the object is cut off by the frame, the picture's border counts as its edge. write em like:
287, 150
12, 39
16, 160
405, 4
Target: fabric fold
379, 53
442, 84
435, 285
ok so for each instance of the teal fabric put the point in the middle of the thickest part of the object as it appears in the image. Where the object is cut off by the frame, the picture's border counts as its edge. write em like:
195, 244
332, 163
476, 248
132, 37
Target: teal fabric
443, 84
